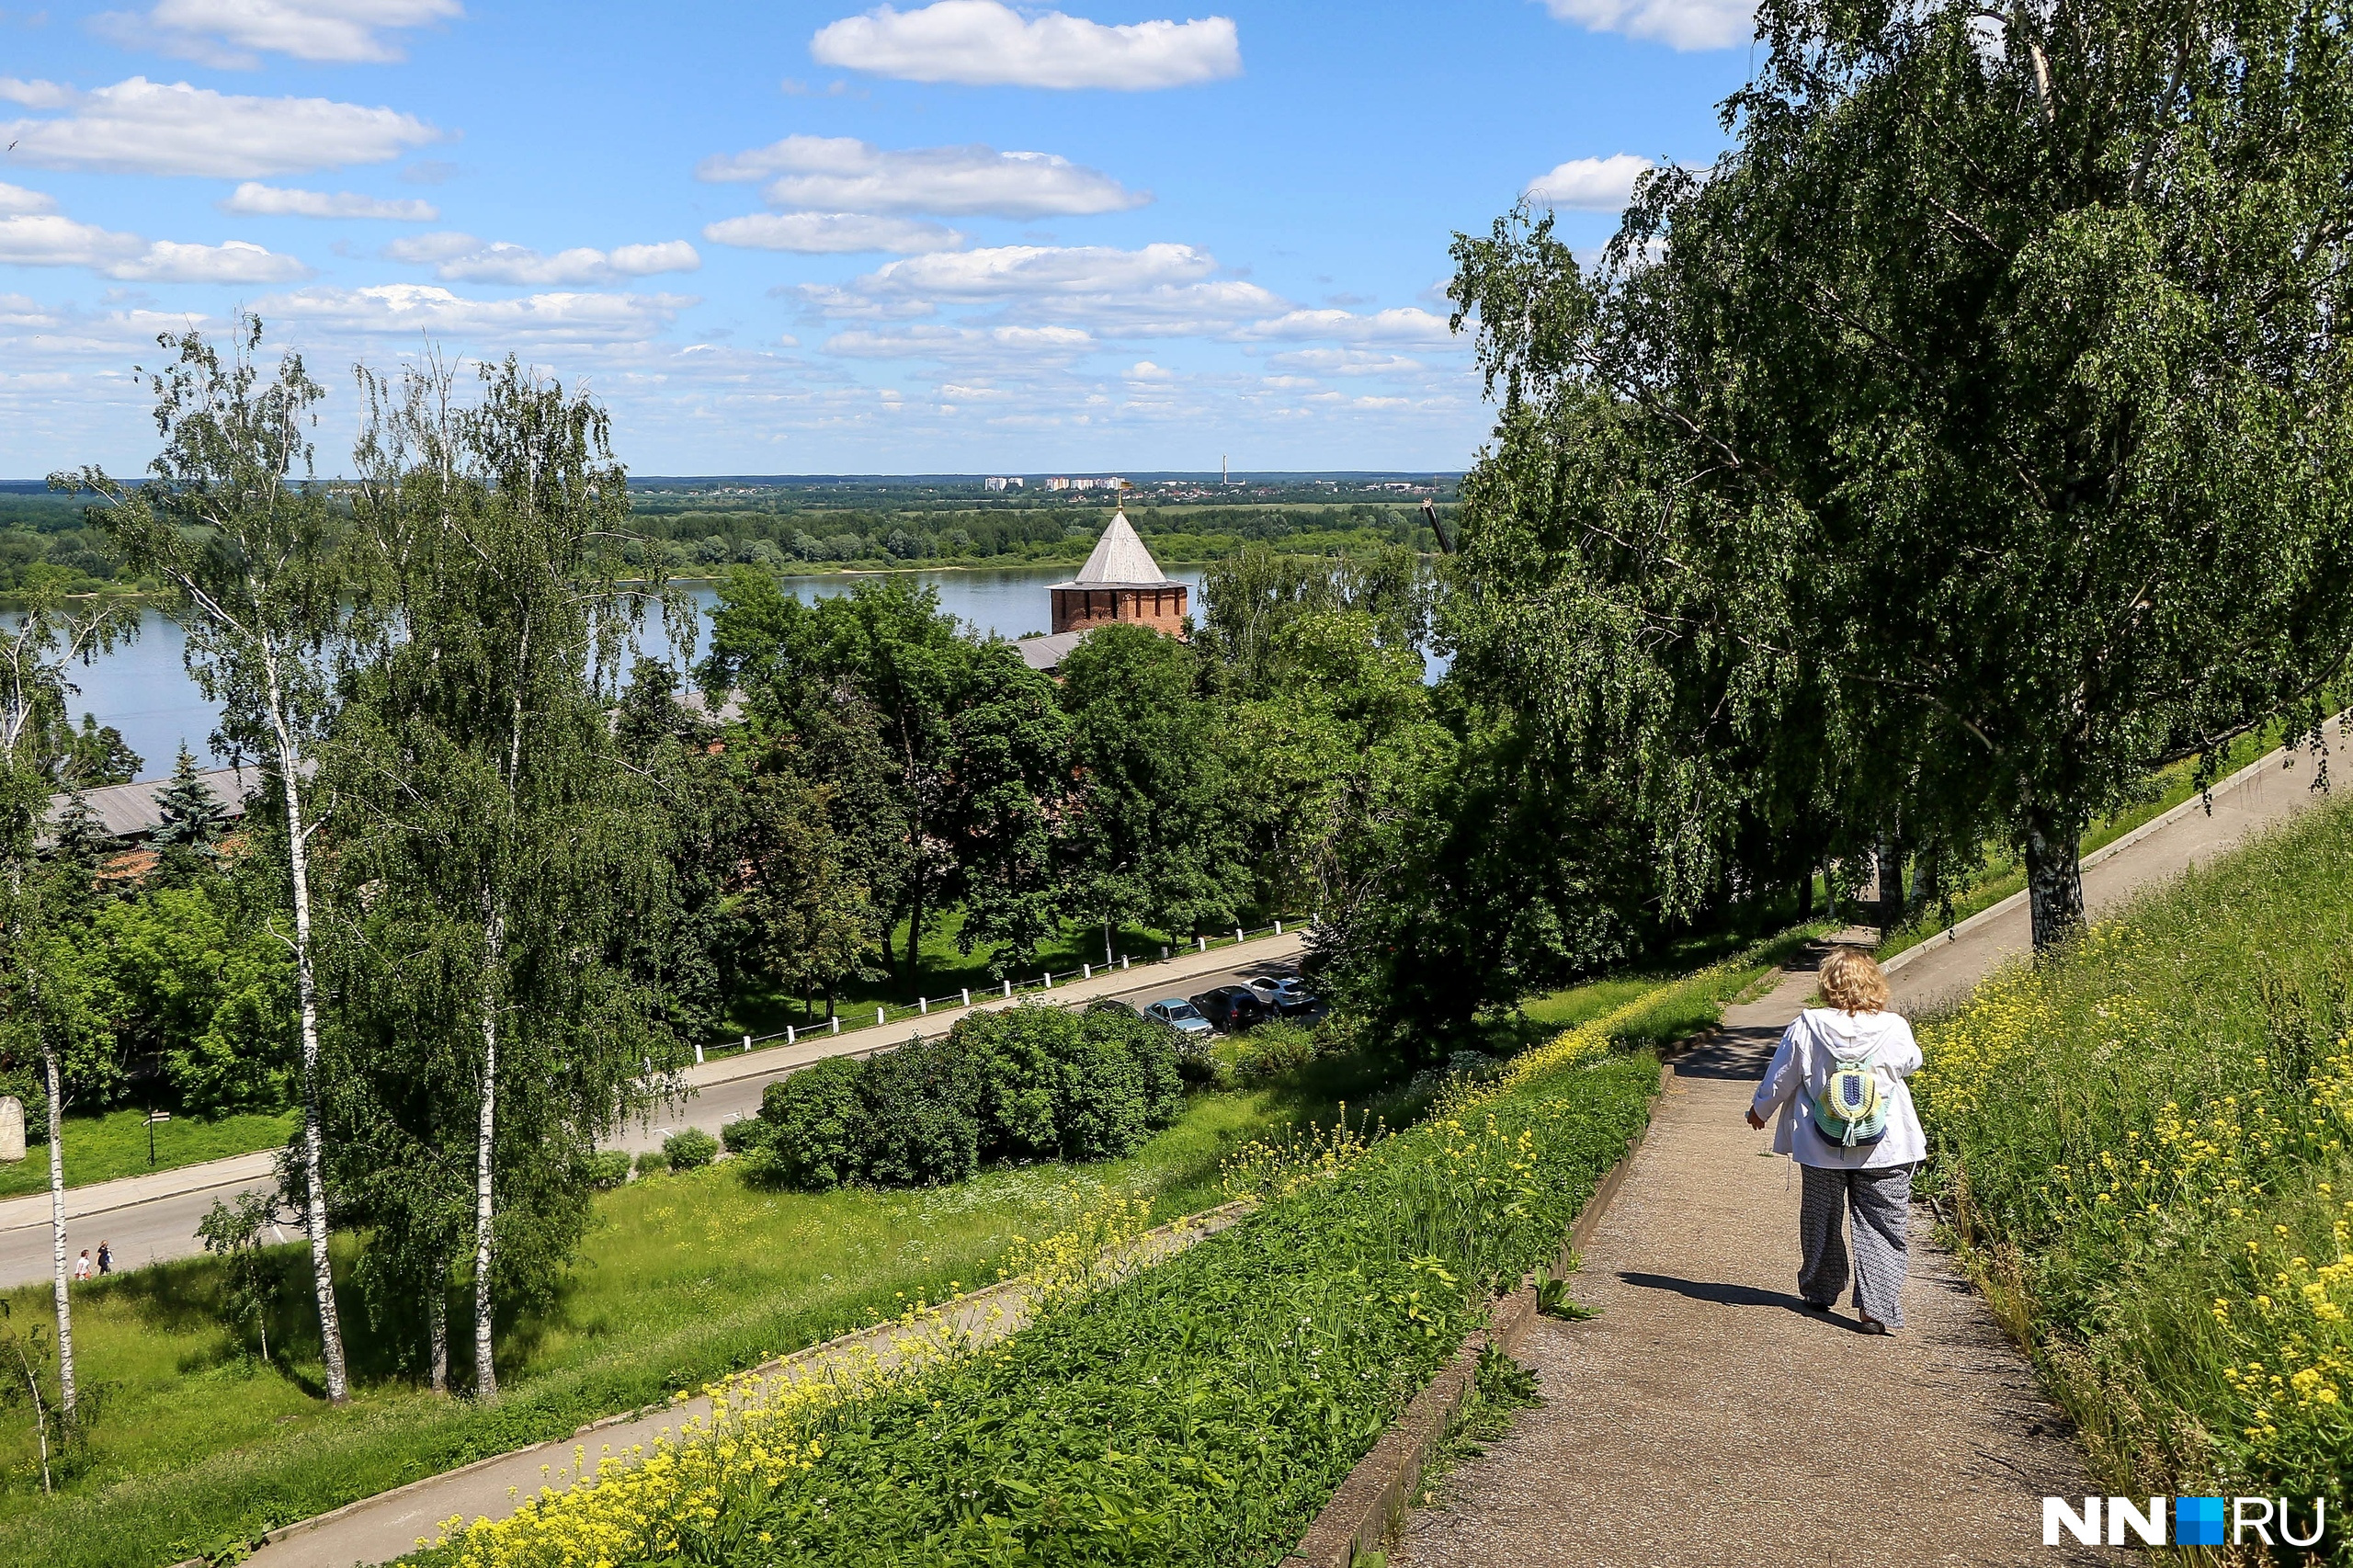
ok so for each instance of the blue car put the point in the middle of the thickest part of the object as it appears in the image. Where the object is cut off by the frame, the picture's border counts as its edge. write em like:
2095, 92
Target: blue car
1182, 1016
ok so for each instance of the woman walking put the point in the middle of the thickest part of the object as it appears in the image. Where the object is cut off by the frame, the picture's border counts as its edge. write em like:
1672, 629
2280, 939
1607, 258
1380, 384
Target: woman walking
1847, 1119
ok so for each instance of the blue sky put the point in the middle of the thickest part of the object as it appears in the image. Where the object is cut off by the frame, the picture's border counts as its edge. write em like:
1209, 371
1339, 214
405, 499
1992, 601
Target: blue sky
819, 238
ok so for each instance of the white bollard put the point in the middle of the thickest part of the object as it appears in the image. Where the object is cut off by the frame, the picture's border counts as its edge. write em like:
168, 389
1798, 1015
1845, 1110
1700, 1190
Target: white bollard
968, 996
747, 1039
790, 1034
1008, 987
1278, 928
878, 1014
1123, 960
1237, 933
837, 1021
1087, 971
1204, 941
923, 1006
1047, 981
1164, 952
698, 1053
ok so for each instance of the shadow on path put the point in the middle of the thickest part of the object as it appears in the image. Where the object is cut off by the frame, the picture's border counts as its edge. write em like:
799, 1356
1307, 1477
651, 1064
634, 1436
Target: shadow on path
1735, 1296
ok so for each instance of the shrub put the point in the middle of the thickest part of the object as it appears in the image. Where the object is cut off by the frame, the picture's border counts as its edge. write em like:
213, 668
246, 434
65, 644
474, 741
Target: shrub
607, 1169
744, 1134
1271, 1048
1020, 1083
690, 1150
816, 1120
653, 1162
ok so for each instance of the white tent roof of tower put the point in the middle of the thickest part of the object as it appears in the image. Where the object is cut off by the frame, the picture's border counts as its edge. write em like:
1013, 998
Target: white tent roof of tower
1120, 561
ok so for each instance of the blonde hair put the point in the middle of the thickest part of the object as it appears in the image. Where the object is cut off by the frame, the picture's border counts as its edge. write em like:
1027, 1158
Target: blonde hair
1852, 982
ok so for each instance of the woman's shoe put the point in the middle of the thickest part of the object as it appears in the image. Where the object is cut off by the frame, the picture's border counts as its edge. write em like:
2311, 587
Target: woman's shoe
1872, 1326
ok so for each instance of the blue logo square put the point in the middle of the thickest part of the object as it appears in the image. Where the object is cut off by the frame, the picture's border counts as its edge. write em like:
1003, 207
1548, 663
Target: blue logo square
2197, 1521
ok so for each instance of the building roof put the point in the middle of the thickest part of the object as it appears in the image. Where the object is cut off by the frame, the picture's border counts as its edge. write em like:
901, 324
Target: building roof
131, 811
1120, 560
1047, 653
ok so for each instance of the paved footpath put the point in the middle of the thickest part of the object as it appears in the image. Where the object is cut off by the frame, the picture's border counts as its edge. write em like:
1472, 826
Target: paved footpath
1694, 1422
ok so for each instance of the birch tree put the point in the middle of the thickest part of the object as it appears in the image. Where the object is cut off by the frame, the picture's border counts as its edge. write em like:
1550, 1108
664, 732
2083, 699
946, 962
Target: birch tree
233, 524
498, 823
45, 1008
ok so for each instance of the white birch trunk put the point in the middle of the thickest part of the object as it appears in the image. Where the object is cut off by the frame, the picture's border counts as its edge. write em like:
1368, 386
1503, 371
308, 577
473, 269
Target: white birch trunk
307, 994
485, 1374
436, 1310
57, 1233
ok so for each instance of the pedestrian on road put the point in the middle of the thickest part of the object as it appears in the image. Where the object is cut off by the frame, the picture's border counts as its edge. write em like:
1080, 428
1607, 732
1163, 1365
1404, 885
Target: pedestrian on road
106, 1260
82, 1267
1847, 1119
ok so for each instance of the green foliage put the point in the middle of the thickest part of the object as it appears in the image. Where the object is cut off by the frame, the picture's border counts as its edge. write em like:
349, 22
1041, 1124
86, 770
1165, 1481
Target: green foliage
2146, 1140
1018, 1083
653, 1162
234, 1233
607, 1169
200, 979
690, 1150
1968, 442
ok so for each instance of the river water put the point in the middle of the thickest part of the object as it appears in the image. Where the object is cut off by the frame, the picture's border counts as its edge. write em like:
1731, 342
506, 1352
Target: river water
143, 688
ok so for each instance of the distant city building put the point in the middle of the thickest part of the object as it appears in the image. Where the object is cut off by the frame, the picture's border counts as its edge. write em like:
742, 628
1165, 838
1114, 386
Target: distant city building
1007, 483
1113, 483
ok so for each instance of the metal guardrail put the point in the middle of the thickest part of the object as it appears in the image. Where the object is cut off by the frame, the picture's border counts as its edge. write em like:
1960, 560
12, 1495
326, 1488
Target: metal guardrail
885, 1014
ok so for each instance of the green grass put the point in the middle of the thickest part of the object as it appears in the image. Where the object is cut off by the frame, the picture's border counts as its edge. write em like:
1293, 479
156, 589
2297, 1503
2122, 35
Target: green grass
2142, 1141
198, 1446
1679, 1007
102, 1148
1197, 1413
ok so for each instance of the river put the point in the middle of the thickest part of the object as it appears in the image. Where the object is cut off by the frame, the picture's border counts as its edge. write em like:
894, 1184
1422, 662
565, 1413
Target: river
143, 688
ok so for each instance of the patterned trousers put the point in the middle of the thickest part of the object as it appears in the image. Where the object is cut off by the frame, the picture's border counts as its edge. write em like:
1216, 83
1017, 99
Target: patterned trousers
1880, 1202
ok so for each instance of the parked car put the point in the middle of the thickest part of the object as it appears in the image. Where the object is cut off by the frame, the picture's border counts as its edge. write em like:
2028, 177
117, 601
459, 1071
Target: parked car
1284, 994
1112, 1004
1182, 1016
1232, 1008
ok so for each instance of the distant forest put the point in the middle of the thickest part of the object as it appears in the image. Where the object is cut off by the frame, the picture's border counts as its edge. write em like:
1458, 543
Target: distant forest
689, 527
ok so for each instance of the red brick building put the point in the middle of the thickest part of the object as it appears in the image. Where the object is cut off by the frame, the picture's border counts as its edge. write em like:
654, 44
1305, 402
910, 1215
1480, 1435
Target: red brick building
1119, 582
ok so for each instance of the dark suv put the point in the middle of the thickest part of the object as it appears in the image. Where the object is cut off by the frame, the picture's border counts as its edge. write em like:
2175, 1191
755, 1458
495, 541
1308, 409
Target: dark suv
1232, 1008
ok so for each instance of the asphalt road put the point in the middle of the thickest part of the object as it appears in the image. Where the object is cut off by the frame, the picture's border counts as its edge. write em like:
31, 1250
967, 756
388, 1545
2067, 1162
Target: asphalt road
141, 1228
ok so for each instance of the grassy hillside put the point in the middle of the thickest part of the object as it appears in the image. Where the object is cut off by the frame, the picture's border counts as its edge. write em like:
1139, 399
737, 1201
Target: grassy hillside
2144, 1143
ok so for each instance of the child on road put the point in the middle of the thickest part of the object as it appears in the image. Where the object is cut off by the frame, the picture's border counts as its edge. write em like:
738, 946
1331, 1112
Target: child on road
1845, 1118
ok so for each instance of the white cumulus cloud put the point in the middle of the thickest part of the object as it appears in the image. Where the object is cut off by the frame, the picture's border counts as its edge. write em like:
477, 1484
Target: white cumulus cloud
983, 44
461, 258
1678, 24
1593, 185
16, 198
53, 240
421, 308
841, 174
1341, 362
256, 199
1158, 290
156, 128
1400, 324
832, 234
233, 34
1050, 344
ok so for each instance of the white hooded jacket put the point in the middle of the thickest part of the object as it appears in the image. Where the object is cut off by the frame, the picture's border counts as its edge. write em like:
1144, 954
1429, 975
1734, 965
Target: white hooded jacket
1801, 1069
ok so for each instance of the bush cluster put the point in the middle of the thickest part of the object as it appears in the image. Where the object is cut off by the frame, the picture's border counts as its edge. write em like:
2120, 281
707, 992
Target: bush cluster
1021, 1082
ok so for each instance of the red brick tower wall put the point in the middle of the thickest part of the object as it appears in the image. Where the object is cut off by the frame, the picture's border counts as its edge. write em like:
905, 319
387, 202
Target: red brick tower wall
1162, 609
